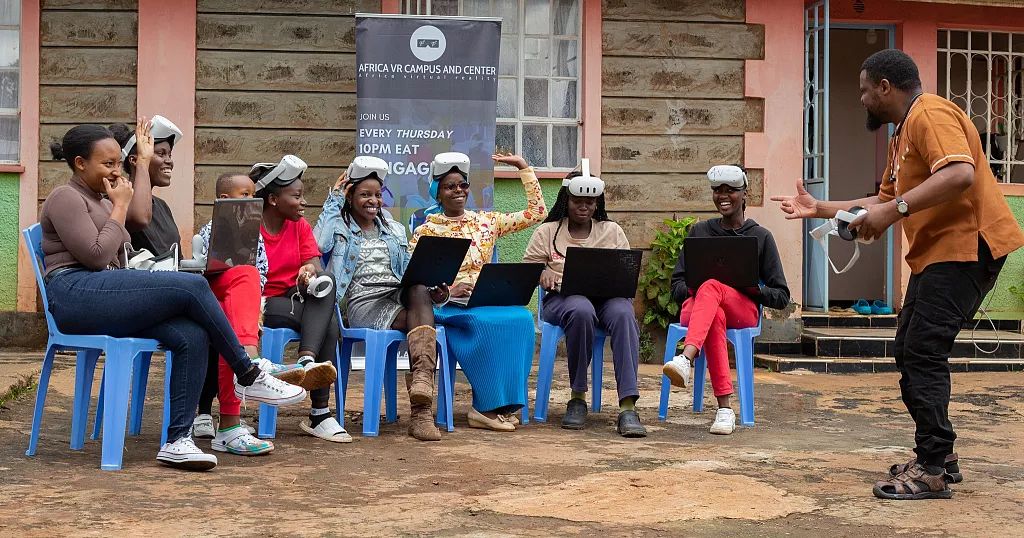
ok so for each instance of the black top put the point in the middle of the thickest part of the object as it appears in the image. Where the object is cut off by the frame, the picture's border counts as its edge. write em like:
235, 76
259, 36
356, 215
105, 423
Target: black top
774, 292
162, 232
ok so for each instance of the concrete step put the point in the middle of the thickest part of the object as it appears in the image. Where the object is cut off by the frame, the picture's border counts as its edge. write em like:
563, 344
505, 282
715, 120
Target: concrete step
836, 342
788, 363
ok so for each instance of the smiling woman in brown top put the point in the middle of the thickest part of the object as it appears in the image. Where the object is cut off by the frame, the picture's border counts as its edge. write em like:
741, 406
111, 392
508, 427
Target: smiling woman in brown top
83, 244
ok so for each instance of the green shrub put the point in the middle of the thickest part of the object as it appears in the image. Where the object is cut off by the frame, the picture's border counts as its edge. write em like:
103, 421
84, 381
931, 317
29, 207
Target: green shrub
656, 281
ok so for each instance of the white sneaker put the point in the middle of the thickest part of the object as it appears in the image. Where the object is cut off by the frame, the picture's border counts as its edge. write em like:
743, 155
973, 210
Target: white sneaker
202, 427
271, 391
184, 454
238, 441
678, 370
725, 422
246, 426
289, 373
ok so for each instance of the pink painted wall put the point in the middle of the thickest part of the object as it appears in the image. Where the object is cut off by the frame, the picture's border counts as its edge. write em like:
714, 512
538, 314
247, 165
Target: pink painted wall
778, 80
28, 188
166, 86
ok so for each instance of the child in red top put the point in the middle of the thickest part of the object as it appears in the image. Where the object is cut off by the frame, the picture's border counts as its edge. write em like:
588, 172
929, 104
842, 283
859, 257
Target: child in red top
295, 259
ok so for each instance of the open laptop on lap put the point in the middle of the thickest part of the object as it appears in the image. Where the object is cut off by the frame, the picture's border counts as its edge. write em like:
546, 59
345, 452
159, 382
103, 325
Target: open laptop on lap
234, 236
504, 284
600, 272
733, 261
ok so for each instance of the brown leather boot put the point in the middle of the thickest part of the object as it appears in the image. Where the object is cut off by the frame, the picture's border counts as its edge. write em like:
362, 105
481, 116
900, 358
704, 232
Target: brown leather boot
421, 426
422, 363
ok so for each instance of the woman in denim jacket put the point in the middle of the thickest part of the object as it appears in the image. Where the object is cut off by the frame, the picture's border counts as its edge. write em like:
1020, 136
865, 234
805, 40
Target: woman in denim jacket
369, 253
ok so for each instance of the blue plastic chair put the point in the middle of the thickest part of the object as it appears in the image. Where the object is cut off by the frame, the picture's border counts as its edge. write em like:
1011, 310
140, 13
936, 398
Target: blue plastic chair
743, 344
140, 376
121, 356
550, 335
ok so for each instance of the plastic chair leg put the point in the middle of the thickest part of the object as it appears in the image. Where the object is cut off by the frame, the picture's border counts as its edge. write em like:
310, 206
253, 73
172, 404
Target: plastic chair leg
97, 425
545, 371
745, 379
272, 348
671, 341
373, 387
344, 365
85, 368
168, 361
117, 374
140, 377
445, 387
596, 374
700, 368
391, 383
37, 412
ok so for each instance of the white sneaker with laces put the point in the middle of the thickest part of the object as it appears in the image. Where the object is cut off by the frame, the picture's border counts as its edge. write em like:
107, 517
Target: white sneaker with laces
725, 422
184, 454
271, 391
678, 371
202, 427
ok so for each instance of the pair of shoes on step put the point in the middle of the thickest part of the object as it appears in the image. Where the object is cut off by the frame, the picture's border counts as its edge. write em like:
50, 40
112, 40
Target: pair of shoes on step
678, 372
874, 308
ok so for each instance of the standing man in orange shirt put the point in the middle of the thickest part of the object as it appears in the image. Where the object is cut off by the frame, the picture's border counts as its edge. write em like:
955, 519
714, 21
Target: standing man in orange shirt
938, 183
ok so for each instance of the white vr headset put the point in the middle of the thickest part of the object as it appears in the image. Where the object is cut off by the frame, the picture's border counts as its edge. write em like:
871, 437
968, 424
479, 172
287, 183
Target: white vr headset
444, 162
365, 166
584, 185
289, 169
162, 129
727, 174
839, 226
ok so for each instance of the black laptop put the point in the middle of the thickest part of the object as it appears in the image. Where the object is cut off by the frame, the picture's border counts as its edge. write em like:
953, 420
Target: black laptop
234, 236
504, 284
733, 261
600, 272
435, 261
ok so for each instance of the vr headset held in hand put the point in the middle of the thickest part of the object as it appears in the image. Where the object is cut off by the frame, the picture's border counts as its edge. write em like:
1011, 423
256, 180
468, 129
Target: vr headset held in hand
162, 129
365, 166
584, 185
840, 226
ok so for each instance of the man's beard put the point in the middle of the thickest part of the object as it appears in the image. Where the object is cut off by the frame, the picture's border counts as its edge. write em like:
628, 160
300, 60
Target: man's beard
873, 122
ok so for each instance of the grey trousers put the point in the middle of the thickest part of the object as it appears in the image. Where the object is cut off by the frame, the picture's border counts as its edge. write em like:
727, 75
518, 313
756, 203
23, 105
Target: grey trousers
579, 316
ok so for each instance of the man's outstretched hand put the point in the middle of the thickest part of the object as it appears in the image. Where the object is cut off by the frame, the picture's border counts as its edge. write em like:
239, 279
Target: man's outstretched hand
801, 206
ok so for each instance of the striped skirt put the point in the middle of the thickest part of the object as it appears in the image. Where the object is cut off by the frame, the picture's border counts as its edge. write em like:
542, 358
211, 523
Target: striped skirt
494, 345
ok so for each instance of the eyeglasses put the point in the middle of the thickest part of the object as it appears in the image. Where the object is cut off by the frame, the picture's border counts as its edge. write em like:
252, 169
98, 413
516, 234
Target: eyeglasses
463, 186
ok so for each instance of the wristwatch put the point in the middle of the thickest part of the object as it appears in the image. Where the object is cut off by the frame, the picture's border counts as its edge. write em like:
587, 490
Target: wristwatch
902, 207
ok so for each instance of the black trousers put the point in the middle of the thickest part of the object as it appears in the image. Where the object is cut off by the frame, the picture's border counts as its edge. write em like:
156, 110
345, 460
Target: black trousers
939, 301
316, 321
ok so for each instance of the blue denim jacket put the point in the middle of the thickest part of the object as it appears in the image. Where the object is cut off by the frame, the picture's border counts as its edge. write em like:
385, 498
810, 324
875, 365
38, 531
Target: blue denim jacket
343, 241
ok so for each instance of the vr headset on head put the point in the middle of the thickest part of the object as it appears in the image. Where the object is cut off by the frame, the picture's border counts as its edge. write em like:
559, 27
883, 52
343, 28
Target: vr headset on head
445, 162
365, 166
727, 174
162, 129
584, 185
288, 170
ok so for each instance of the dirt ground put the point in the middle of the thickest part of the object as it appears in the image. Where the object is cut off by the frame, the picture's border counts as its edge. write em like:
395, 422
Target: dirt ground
805, 469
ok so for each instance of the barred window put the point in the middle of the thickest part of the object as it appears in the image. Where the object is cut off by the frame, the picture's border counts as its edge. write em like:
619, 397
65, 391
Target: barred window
539, 74
10, 80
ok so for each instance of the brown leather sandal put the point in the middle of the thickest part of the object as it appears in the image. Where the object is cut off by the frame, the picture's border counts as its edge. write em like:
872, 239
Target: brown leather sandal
952, 466
912, 485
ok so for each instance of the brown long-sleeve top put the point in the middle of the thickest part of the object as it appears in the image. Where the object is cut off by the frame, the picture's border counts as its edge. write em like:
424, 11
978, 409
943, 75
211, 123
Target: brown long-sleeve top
78, 230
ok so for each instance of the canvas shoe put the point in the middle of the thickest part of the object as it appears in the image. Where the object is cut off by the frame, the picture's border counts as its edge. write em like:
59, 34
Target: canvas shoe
271, 391
238, 441
725, 422
289, 373
184, 454
678, 370
202, 427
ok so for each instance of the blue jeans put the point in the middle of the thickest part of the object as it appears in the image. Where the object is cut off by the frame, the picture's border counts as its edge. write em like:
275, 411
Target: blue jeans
176, 309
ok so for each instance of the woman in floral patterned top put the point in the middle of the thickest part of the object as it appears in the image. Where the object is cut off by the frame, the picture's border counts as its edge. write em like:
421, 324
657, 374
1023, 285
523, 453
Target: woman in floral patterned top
497, 373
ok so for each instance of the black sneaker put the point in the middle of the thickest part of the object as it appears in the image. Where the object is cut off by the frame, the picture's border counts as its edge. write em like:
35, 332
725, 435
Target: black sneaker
575, 415
629, 425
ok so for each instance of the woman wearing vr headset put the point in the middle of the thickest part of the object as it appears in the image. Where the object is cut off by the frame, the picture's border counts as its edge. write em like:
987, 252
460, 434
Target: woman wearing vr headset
578, 219
714, 307
299, 294
152, 227
496, 371
369, 254
84, 240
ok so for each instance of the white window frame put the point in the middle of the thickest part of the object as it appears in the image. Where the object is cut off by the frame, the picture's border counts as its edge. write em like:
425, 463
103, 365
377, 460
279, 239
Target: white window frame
14, 113
425, 7
1012, 116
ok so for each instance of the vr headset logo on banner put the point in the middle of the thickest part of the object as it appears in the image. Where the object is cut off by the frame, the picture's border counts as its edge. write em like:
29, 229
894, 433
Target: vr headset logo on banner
427, 43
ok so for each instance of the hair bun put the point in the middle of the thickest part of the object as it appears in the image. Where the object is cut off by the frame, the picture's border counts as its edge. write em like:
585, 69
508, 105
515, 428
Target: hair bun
57, 150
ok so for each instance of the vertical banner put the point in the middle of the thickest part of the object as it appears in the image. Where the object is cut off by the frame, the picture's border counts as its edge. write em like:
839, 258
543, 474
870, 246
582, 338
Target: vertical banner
427, 85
